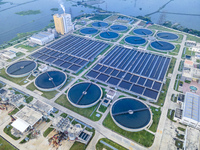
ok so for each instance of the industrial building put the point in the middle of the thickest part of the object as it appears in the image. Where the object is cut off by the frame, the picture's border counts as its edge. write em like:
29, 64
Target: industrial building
63, 23
191, 110
8, 54
71, 132
190, 71
26, 119
42, 38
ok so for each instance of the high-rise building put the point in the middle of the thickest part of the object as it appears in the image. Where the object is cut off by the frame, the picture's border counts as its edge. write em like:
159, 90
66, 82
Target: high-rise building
63, 23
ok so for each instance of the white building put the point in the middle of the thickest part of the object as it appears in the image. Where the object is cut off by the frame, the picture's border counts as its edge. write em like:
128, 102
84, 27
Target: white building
190, 43
26, 119
43, 68
9, 55
190, 72
111, 94
42, 38
191, 110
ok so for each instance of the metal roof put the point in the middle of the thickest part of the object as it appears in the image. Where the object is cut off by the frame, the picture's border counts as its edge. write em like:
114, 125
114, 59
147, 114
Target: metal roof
192, 106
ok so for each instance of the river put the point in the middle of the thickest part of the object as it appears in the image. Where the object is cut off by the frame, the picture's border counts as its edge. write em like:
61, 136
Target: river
11, 23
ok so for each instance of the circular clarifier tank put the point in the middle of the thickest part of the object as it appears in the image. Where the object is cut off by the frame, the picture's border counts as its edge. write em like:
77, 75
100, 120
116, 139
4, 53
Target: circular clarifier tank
84, 94
100, 24
21, 68
50, 80
109, 35
162, 46
89, 31
131, 114
167, 36
143, 32
118, 28
135, 40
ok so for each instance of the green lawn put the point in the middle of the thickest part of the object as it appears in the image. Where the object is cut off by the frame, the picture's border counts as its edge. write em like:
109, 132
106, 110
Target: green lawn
142, 137
78, 146
100, 146
47, 94
170, 116
176, 50
171, 66
193, 38
62, 100
47, 131
181, 129
64, 115
162, 95
179, 144
161, 28
14, 111
29, 48
19, 81
156, 118
8, 132
29, 99
102, 108
5, 145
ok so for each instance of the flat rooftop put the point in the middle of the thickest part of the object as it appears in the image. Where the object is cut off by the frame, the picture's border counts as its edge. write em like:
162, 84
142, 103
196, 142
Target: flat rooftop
43, 106
192, 106
29, 115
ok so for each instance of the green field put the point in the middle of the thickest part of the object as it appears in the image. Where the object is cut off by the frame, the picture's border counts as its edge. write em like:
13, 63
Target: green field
47, 131
193, 38
47, 94
156, 117
162, 96
4, 145
29, 48
8, 132
142, 137
62, 100
100, 146
15, 80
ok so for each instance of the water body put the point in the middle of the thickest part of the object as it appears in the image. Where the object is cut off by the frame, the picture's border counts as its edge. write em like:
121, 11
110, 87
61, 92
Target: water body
11, 23
144, 7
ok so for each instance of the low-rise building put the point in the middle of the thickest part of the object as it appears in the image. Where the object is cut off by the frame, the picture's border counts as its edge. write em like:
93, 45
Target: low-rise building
43, 68
26, 119
9, 54
190, 72
190, 43
44, 108
42, 38
191, 110
111, 94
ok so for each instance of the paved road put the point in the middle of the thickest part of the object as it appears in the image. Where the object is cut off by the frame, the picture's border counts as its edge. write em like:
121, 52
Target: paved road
101, 130
159, 134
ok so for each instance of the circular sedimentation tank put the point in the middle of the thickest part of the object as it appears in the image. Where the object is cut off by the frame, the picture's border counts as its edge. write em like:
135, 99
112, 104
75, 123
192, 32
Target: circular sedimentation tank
119, 28
143, 32
21, 68
135, 40
131, 114
84, 94
100, 24
167, 36
162, 46
88, 31
109, 35
50, 80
